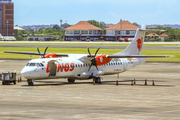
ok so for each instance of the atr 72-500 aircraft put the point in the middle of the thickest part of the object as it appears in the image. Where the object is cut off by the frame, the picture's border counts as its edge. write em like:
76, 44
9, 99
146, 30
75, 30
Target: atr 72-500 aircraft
85, 66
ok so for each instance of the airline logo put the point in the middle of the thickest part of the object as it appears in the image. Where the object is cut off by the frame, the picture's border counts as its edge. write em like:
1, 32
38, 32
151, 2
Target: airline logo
139, 43
62, 67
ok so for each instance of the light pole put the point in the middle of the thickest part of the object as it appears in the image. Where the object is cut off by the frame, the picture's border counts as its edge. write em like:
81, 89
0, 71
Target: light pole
7, 26
61, 30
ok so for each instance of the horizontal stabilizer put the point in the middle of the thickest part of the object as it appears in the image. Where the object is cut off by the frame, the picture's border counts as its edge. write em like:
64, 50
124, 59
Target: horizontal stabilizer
137, 56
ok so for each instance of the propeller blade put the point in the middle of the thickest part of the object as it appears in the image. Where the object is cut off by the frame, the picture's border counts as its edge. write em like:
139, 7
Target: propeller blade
97, 68
97, 51
38, 51
89, 51
45, 51
90, 66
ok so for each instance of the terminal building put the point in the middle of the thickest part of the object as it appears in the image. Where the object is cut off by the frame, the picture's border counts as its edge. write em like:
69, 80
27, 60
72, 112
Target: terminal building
7, 18
83, 30
121, 31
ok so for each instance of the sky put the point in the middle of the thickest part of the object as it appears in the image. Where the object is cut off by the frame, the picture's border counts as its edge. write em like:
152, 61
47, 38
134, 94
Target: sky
46, 12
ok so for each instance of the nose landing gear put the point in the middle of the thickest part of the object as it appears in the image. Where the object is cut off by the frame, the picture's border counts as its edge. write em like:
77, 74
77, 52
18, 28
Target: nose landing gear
30, 82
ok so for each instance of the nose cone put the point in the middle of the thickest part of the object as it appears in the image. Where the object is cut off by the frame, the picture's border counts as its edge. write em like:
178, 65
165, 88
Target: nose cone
26, 72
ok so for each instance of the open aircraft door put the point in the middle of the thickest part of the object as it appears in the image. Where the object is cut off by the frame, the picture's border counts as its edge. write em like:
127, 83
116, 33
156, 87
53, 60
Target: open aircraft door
125, 64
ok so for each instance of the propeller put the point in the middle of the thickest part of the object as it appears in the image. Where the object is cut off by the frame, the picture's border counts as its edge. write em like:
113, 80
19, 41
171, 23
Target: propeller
93, 60
42, 55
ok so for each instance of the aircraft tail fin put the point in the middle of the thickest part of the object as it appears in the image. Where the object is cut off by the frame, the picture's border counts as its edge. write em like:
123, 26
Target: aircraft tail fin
135, 47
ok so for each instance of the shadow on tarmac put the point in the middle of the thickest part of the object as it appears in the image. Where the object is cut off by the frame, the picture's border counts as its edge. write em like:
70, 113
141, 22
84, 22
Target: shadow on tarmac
120, 83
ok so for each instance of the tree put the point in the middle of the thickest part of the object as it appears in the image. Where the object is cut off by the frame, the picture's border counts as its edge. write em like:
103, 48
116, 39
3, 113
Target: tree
134, 23
56, 27
65, 25
96, 23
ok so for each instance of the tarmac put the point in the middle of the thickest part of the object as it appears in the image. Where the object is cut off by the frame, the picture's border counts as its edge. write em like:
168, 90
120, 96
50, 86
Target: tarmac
56, 99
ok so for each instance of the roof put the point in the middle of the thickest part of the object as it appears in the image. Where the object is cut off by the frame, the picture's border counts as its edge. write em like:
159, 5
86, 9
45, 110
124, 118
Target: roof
153, 35
18, 28
164, 35
83, 25
126, 25
110, 25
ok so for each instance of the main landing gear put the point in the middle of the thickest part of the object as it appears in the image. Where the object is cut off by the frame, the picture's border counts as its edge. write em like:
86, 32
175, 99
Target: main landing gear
71, 80
30, 82
97, 79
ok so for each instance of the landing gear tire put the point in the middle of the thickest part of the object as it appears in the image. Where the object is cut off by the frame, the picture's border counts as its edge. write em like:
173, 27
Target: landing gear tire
97, 80
30, 83
71, 80
3, 82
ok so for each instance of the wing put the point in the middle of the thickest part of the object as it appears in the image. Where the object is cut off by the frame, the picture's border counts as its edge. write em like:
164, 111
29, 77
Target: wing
33, 53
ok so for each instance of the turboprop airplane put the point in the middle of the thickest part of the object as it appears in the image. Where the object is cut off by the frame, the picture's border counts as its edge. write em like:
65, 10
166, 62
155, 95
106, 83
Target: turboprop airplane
7, 38
85, 66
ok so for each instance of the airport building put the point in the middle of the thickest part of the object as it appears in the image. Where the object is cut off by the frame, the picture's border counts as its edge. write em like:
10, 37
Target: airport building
123, 30
7, 18
82, 31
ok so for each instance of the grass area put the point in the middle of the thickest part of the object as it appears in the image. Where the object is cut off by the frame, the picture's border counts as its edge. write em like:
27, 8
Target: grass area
84, 51
86, 44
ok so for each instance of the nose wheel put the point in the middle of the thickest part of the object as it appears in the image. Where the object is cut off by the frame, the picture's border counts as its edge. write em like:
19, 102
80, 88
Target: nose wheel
30, 82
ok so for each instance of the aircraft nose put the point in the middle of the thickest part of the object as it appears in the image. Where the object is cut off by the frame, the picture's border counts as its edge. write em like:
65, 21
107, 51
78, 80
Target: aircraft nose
26, 73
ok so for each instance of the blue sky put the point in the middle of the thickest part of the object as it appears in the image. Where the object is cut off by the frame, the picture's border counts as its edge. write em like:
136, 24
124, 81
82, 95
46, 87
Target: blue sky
39, 12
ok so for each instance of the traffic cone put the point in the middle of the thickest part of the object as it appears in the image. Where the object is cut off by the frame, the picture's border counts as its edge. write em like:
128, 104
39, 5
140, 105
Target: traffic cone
94, 83
134, 81
116, 82
153, 83
131, 83
145, 82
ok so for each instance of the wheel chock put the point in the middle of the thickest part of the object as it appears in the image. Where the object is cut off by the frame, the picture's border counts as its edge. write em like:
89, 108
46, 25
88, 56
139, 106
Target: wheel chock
153, 83
145, 82
116, 82
134, 81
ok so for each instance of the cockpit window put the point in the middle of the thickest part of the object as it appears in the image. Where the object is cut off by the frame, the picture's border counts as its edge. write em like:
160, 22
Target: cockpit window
27, 64
32, 64
41, 64
35, 64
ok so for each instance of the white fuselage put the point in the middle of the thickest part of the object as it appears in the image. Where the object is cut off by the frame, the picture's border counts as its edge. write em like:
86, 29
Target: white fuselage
72, 67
